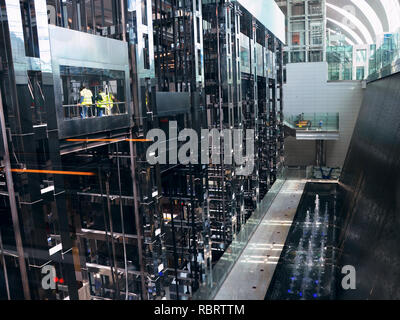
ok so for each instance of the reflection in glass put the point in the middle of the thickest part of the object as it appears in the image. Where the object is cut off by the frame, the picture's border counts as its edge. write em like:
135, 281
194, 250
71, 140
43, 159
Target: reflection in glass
110, 82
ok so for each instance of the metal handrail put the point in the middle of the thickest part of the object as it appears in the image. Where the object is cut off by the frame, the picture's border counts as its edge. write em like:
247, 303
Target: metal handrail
93, 104
330, 121
77, 106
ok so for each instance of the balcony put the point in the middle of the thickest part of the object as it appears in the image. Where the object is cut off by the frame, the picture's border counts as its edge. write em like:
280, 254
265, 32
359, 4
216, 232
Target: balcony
80, 60
313, 126
74, 111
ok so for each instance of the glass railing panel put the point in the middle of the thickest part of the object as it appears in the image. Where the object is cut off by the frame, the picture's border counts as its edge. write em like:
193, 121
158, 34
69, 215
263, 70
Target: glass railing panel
314, 121
217, 276
75, 111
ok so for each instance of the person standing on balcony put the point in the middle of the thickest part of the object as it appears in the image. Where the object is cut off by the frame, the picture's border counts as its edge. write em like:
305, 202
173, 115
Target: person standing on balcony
101, 103
110, 102
85, 101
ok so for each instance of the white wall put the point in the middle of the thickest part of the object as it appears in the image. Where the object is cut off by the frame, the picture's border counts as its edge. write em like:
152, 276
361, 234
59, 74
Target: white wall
308, 91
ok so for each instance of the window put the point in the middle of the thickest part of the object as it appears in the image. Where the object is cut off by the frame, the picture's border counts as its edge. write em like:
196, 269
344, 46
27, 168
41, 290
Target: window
260, 60
144, 12
244, 57
298, 9
200, 64
361, 56
298, 26
198, 30
38, 108
297, 56
347, 72
372, 59
316, 33
340, 61
29, 26
74, 78
360, 73
334, 71
100, 17
298, 38
315, 56
285, 58
146, 54
315, 8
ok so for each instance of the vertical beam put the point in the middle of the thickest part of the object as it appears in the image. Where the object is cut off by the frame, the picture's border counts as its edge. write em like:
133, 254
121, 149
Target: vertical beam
13, 206
3, 261
132, 148
123, 21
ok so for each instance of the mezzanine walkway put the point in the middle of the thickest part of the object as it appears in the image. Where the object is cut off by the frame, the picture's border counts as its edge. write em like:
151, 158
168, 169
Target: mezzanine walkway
250, 277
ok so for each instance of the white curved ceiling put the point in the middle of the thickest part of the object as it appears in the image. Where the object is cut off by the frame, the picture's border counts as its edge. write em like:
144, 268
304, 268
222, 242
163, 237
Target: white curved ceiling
347, 30
363, 21
367, 36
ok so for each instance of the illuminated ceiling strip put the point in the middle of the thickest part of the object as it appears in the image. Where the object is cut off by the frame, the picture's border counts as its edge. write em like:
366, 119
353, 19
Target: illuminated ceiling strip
355, 21
350, 42
392, 13
371, 15
348, 30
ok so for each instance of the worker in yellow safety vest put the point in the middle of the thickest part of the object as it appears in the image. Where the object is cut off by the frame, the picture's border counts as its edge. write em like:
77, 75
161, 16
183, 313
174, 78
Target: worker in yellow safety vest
86, 100
101, 103
110, 102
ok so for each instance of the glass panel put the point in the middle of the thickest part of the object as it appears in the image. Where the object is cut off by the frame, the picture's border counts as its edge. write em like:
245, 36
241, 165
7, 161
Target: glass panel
107, 92
298, 38
316, 33
101, 17
298, 9
298, 56
340, 62
38, 108
385, 57
146, 53
315, 56
361, 56
315, 7
29, 26
313, 121
360, 73
233, 252
144, 12
298, 26
244, 56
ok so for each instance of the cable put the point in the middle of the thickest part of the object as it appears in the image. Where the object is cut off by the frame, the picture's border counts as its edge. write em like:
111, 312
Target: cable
122, 225
106, 228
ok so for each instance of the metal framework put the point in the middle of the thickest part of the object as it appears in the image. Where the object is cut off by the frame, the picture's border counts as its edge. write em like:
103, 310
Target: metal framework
112, 225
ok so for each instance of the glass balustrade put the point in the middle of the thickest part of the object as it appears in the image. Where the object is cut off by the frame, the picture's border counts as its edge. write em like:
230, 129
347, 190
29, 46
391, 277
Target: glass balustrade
220, 271
313, 121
